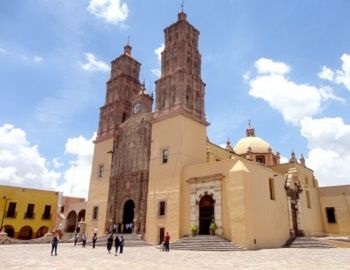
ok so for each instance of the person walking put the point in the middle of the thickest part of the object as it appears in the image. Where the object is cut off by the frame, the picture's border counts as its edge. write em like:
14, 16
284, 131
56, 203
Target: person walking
109, 243
83, 238
94, 239
75, 239
117, 244
167, 241
54, 244
121, 245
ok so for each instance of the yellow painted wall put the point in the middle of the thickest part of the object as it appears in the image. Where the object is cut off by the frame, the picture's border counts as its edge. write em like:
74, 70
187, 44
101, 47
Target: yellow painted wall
185, 140
99, 187
339, 198
22, 197
247, 211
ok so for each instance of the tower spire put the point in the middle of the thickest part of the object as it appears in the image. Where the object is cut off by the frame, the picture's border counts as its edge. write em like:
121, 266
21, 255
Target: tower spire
127, 47
182, 6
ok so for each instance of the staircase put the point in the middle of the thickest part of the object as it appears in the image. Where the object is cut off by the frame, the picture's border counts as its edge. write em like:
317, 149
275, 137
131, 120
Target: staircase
308, 242
131, 240
204, 243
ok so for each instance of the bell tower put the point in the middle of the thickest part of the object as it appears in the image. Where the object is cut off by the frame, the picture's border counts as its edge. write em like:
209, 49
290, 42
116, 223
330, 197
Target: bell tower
180, 87
122, 86
178, 130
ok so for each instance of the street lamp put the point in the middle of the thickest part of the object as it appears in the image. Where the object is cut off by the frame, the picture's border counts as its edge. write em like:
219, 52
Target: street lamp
3, 214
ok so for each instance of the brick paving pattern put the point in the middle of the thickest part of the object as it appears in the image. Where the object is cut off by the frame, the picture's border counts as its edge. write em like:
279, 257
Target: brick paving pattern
37, 256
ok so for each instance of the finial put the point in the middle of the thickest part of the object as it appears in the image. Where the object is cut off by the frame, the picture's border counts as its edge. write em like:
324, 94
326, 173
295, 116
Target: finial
250, 132
182, 6
293, 158
127, 47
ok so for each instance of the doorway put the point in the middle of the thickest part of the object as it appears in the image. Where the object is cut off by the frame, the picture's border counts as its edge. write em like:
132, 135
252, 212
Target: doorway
128, 216
206, 214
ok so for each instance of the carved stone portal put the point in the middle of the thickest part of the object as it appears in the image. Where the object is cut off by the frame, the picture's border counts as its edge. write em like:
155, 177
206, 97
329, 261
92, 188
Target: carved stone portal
204, 186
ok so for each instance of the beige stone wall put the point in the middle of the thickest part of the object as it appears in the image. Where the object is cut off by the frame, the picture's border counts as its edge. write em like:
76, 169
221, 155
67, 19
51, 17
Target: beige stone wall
217, 153
247, 212
311, 215
269, 218
311, 218
98, 191
185, 140
339, 198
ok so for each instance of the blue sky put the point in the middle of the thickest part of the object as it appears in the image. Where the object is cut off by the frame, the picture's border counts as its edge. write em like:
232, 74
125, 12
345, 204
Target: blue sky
284, 65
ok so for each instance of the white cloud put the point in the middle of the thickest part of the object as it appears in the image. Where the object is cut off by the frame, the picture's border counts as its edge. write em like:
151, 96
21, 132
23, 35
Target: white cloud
77, 176
326, 74
21, 163
113, 11
158, 52
156, 72
340, 76
268, 66
93, 64
294, 101
328, 141
56, 163
2, 50
37, 59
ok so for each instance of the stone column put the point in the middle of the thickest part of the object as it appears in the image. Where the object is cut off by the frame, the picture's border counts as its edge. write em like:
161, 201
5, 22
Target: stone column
291, 230
217, 208
299, 219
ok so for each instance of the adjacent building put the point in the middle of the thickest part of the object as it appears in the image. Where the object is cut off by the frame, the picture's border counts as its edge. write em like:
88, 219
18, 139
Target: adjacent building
27, 213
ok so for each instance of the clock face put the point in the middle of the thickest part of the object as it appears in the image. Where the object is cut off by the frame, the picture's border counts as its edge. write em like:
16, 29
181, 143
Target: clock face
136, 108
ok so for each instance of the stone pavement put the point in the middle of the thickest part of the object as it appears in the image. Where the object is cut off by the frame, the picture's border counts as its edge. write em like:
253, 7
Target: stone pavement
37, 256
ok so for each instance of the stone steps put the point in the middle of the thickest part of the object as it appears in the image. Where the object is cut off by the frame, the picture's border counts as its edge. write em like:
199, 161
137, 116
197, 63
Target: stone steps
204, 243
308, 242
131, 240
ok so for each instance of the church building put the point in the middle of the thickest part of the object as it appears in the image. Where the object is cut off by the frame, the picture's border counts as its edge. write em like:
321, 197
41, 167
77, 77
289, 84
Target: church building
157, 171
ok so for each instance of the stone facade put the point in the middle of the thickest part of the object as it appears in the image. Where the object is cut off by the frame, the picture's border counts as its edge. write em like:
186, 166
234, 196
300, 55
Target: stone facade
129, 176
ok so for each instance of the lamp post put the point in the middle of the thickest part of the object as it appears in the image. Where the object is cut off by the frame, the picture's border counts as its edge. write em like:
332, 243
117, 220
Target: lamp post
3, 214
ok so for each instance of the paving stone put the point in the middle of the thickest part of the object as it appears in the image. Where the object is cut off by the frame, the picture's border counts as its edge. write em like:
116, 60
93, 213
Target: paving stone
69, 257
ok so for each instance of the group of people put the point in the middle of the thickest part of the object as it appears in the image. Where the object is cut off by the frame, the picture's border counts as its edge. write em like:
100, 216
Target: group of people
118, 243
123, 228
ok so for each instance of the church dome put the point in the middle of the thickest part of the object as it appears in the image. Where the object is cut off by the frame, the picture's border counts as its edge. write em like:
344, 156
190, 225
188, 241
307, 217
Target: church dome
251, 143
254, 144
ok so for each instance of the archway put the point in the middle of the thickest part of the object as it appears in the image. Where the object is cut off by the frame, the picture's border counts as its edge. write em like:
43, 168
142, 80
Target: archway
206, 213
10, 231
71, 221
25, 233
128, 216
42, 231
81, 215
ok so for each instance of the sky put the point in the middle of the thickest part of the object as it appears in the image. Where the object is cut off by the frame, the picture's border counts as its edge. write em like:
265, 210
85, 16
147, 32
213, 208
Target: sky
283, 65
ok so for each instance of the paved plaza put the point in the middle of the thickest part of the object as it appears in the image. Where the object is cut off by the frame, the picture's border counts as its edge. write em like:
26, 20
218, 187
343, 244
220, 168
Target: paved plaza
37, 256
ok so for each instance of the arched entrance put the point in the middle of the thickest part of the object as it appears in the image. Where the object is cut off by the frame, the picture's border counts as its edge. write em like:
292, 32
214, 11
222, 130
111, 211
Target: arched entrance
81, 215
128, 216
10, 231
206, 213
42, 231
71, 221
25, 233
